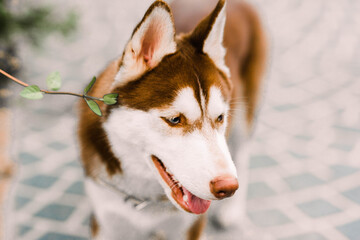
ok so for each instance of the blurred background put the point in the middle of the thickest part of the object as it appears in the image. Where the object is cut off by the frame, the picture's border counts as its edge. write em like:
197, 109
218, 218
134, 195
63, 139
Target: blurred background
305, 157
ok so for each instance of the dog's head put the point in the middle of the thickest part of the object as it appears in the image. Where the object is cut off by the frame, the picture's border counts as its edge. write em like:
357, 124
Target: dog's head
174, 96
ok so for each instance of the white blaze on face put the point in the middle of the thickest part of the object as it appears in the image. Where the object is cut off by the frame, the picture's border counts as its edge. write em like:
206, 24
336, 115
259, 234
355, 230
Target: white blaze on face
196, 157
186, 104
216, 105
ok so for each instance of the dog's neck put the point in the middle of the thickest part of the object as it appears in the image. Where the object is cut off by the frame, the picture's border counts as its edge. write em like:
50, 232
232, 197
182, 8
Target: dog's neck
136, 181
134, 201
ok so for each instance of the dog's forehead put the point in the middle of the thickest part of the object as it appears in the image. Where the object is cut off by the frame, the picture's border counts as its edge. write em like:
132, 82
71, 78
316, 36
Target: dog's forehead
187, 104
216, 103
180, 77
193, 107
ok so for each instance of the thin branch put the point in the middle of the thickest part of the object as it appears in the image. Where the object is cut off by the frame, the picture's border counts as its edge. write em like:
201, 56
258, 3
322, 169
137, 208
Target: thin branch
46, 91
93, 98
14, 78
92, 105
63, 93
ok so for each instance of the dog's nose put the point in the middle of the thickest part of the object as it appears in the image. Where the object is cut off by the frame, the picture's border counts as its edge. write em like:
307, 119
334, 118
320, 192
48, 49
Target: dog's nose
223, 186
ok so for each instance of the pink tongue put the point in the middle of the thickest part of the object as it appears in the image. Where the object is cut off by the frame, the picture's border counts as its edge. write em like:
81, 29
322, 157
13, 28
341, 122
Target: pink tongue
196, 205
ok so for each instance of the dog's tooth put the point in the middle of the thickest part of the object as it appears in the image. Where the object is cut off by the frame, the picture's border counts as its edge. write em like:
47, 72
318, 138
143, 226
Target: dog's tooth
185, 198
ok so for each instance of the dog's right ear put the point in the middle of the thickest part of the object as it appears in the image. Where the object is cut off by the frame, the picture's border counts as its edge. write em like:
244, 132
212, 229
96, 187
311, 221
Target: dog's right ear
152, 39
208, 36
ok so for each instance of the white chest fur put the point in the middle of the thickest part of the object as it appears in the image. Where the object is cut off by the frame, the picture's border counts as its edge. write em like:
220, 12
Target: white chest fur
120, 220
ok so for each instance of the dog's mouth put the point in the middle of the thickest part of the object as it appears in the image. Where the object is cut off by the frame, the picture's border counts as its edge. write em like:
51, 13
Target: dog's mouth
188, 201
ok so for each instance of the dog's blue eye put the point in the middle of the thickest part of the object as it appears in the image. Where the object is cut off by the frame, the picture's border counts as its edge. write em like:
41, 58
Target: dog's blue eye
174, 120
220, 118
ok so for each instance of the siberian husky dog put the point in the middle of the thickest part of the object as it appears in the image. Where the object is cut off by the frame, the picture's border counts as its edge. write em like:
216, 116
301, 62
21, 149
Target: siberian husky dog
157, 159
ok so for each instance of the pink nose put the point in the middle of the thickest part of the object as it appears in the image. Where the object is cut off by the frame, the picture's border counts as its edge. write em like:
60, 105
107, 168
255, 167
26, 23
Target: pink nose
223, 186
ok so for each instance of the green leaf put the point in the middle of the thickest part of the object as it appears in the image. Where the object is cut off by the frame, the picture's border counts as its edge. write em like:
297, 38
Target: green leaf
91, 84
53, 81
32, 92
111, 98
93, 106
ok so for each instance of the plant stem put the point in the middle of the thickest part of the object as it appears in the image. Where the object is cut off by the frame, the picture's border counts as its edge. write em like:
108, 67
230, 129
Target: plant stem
46, 91
62, 93
14, 78
93, 98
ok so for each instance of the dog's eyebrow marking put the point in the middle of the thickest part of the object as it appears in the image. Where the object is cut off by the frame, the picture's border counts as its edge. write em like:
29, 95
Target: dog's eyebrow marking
216, 104
186, 103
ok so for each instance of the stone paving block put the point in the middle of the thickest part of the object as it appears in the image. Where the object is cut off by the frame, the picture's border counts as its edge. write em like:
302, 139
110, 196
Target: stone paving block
56, 212
354, 129
86, 221
21, 202
58, 145
318, 208
307, 236
351, 230
304, 180
342, 146
27, 158
75, 163
259, 190
60, 236
339, 171
299, 156
261, 161
304, 137
40, 181
268, 218
285, 107
76, 188
22, 230
353, 194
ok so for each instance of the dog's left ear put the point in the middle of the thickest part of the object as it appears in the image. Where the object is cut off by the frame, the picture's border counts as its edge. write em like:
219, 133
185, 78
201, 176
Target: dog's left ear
209, 33
152, 39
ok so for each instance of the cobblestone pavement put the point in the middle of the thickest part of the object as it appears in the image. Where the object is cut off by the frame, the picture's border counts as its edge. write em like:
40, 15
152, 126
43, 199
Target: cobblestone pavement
304, 168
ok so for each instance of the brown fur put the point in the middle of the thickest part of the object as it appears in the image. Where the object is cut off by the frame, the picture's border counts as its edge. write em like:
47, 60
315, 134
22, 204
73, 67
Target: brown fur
245, 42
94, 226
143, 95
157, 88
95, 147
246, 51
197, 228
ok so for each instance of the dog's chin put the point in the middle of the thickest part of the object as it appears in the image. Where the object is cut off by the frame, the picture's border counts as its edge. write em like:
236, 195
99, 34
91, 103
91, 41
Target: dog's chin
185, 199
